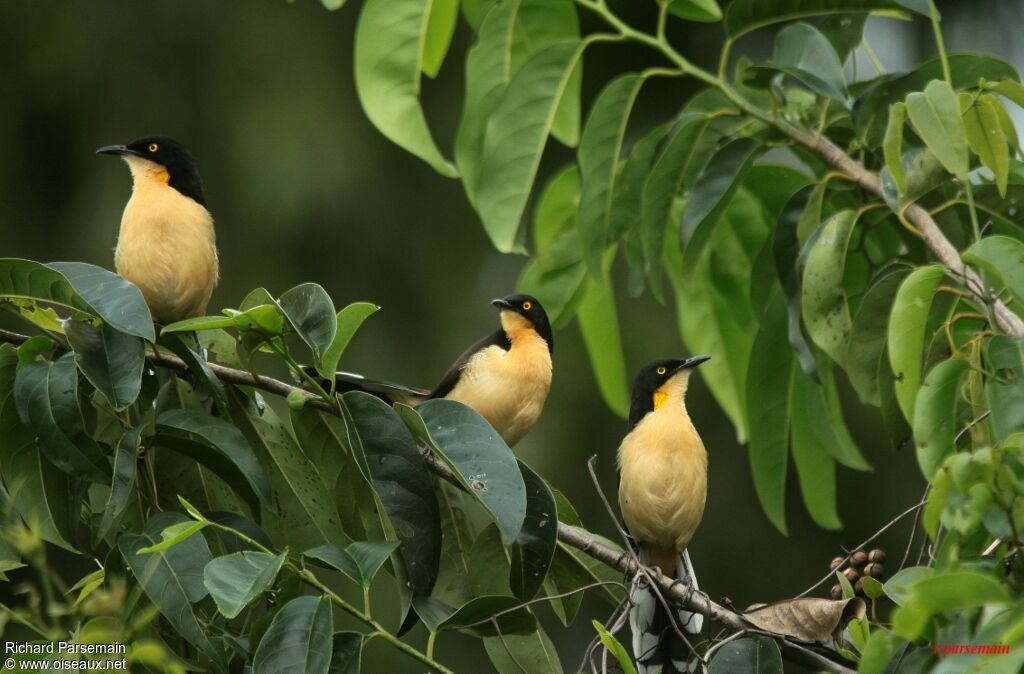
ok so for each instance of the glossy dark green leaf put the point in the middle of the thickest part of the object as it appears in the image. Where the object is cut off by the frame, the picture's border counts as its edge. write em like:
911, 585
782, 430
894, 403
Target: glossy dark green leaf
985, 137
310, 310
922, 173
599, 325
348, 321
892, 145
535, 653
868, 335
535, 546
477, 455
811, 437
515, 137
360, 561
935, 115
119, 303
1002, 256
824, 306
935, 415
755, 656
907, 324
870, 111
47, 400
1005, 387
123, 483
844, 32
221, 447
743, 16
438, 35
805, 204
184, 347
599, 160
475, 617
112, 361
235, 581
402, 482
696, 10
895, 424
28, 281
388, 60
302, 512
37, 490
299, 640
803, 53
663, 184
347, 653
711, 195
171, 578
768, 382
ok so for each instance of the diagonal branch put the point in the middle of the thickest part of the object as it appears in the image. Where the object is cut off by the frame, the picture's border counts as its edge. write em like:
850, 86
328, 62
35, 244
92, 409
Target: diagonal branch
678, 592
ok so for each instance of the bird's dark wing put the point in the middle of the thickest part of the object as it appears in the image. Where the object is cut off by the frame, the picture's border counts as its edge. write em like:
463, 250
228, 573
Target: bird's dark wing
386, 390
451, 377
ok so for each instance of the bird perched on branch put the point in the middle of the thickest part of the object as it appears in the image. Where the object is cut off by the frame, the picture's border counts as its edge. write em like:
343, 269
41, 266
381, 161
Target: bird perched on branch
505, 376
166, 245
663, 483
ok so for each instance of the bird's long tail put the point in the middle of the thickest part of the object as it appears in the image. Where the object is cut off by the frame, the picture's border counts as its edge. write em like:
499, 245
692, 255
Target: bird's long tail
656, 645
385, 390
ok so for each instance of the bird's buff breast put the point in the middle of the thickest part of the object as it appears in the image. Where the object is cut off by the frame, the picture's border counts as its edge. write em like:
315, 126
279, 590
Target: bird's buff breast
167, 248
663, 480
507, 388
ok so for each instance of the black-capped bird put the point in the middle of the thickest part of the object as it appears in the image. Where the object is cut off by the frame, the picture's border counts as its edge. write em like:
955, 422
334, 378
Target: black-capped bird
505, 376
663, 483
166, 245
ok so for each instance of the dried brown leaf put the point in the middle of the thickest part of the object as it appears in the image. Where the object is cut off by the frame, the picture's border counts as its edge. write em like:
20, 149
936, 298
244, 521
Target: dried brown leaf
807, 619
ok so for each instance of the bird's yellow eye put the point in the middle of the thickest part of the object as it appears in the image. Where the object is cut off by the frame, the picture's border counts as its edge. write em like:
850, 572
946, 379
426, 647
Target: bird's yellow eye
661, 370
153, 147
527, 306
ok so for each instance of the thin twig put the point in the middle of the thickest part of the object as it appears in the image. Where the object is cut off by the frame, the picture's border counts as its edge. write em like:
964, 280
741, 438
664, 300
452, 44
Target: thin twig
494, 621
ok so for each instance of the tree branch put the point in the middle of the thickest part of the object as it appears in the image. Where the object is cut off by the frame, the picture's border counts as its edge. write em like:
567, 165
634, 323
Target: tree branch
680, 593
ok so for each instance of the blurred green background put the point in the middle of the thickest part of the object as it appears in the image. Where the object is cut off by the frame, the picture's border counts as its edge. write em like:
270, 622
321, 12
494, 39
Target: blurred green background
303, 188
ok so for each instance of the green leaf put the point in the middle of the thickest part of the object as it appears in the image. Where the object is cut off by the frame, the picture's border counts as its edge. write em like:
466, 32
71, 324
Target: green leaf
119, 303
617, 650
299, 639
811, 435
184, 347
743, 16
922, 173
534, 548
388, 60
898, 588
663, 183
845, 32
347, 653
37, 490
711, 195
475, 616
868, 334
754, 656
825, 309
515, 137
872, 588
360, 561
220, 447
234, 581
696, 10
804, 206
174, 535
28, 281
478, 457
1005, 388
112, 361
535, 653
311, 313
599, 160
985, 136
880, 649
802, 52
200, 323
556, 207
387, 453
957, 589
892, 145
599, 325
871, 107
332, 5
123, 483
935, 115
934, 415
46, 394
769, 380
348, 321
1002, 256
171, 578
907, 324
438, 35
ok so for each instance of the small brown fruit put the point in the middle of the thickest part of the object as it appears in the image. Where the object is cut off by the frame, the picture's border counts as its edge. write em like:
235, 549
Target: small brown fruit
874, 569
876, 555
859, 558
858, 587
851, 575
836, 563
837, 592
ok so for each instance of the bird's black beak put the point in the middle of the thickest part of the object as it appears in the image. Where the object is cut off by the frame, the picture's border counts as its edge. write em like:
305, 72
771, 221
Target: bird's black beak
118, 150
503, 304
693, 362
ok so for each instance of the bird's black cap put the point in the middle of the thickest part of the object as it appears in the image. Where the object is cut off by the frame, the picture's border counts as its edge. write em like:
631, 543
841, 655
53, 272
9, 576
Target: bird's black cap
650, 378
529, 308
169, 153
